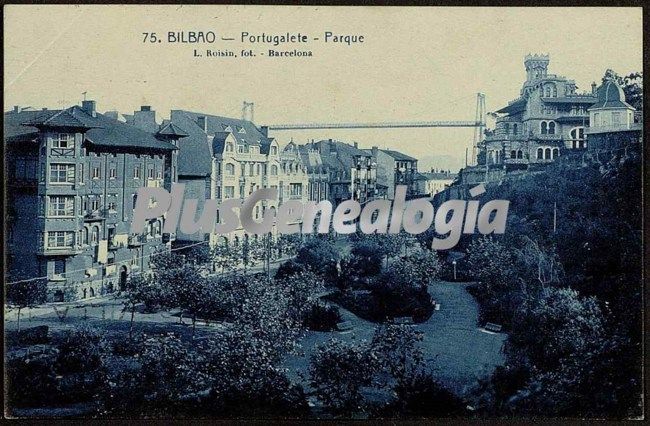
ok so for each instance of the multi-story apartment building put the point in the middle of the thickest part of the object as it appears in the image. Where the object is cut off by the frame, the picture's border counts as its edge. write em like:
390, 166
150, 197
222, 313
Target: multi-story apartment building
352, 172
548, 118
317, 173
224, 158
72, 180
395, 168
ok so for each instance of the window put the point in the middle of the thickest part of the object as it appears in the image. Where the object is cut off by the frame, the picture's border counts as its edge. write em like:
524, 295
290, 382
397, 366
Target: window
94, 203
547, 154
229, 192
513, 154
257, 170
544, 127
556, 153
577, 137
81, 173
520, 154
274, 170
159, 173
96, 172
94, 235
62, 173
506, 128
59, 266
229, 147
274, 150
296, 189
136, 172
112, 172
112, 206
514, 129
230, 169
150, 173
616, 118
63, 140
84, 236
58, 239
61, 206
551, 128
251, 169
540, 153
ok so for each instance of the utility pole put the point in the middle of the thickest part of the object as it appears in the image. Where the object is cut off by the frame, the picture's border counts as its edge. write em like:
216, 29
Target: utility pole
554, 217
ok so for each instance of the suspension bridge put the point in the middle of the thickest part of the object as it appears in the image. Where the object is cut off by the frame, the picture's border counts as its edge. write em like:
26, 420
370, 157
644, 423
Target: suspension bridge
478, 124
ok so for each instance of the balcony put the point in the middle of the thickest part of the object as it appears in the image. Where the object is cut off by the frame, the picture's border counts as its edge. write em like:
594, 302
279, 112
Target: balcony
95, 215
137, 240
59, 251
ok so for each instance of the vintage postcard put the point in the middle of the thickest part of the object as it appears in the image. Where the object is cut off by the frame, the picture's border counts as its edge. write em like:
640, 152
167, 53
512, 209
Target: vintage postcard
320, 212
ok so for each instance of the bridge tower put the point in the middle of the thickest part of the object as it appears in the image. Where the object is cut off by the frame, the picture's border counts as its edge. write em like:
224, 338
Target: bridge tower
479, 129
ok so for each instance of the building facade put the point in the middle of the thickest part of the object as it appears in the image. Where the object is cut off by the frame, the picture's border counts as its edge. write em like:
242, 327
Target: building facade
431, 183
224, 158
72, 180
317, 173
395, 168
547, 119
351, 171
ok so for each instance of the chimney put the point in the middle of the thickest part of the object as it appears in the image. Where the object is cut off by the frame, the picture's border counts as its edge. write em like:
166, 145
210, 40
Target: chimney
202, 122
593, 88
90, 107
375, 151
16, 108
145, 119
356, 145
265, 131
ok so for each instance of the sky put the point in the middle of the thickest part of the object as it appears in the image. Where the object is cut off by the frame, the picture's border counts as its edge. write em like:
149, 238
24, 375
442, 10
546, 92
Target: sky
414, 64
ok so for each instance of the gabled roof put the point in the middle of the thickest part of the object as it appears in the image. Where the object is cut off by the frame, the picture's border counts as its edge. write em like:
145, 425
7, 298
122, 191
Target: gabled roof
196, 150
398, 155
99, 130
170, 129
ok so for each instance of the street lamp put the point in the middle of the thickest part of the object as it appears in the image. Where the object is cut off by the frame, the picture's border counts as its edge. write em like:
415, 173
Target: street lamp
454, 263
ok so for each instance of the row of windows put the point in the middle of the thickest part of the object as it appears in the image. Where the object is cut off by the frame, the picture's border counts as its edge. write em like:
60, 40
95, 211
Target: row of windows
547, 127
547, 153
65, 173
248, 149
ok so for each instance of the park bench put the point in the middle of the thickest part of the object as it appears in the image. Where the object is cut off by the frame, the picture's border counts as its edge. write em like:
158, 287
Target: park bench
344, 326
495, 328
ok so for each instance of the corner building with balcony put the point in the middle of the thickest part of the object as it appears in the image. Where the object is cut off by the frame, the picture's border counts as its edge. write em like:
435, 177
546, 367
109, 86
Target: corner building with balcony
72, 179
548, 119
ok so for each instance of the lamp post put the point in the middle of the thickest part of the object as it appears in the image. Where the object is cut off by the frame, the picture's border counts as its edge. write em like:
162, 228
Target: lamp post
454, 263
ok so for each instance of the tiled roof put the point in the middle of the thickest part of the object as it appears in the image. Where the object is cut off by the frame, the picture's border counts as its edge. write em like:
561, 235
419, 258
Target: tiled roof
514, 107
610, 95
170, 129
195, 157
99, 130
398, 155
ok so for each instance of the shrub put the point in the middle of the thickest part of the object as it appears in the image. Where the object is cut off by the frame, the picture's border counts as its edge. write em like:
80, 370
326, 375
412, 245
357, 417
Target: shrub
289, 268
322, 317
31, 379
79, 350
320, 255
422, 396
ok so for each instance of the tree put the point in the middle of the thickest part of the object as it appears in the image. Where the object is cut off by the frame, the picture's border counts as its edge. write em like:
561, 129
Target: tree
26, 294
632, 85
320, 255
397, 350
338, 371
